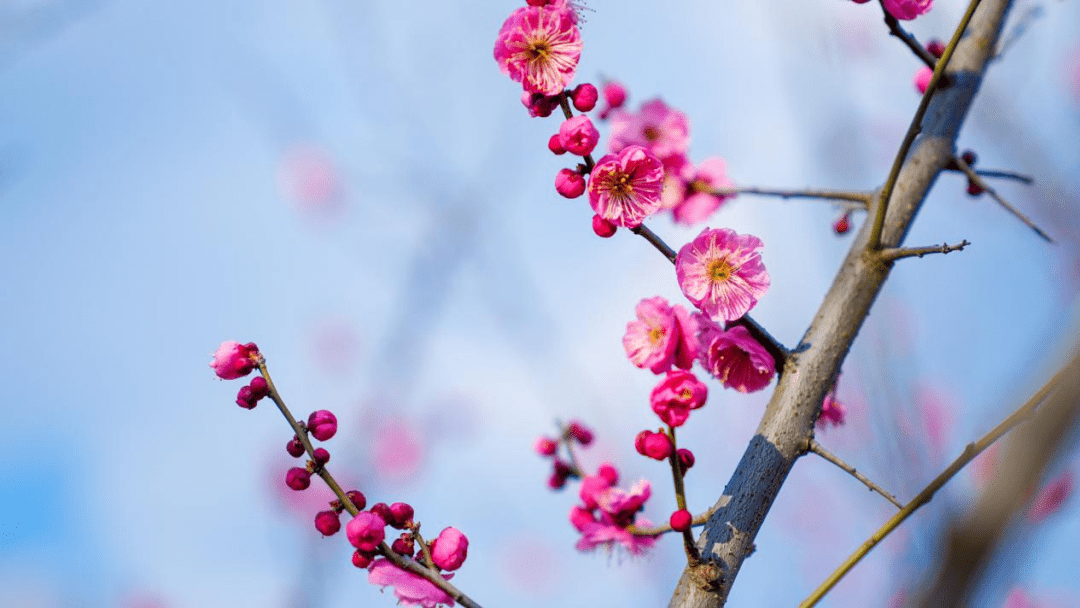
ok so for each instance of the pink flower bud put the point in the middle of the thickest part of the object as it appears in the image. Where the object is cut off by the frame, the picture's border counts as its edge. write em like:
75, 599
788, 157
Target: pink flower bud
603, 228
614, 94
358, 499
449, 550
578, 135
259, 387
936, 48
584, 96
539, 105
400, 514
322, 424
974, 189
245, 398
545, 446
362, 559
233, 360
609, 473
969, 157
294, 447
382, 510
922, 79
366, 531
297, 478
580, 432
404, 545
639, 441
320, 456
555, 145
657, 446
686, 459
842, 225
681, 520
556, 482
569, 183
327, 523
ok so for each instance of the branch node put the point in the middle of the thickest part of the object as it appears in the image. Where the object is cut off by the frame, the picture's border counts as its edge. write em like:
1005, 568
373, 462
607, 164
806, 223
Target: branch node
897, 253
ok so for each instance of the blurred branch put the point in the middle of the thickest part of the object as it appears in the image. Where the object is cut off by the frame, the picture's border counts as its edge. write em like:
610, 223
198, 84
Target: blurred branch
898, 253
811, 369
981, 183
913, 44
816, 448
970, 452
972, 540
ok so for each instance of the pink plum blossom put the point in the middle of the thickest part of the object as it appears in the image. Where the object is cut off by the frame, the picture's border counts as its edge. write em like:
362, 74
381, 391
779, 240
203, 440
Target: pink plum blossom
545, 446
233, 360
449, 550
735, 358
662, 337
569, 183
663, 130
721, 272
698, 204
922, 79
1050, 499
410, 589
366, 531
624, 188
907, 10
833, 412
608, 512
677, 394
578, 135
540, 48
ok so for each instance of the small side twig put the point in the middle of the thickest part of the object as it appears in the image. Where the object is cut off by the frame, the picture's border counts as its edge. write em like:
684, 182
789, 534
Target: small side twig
816, 448
970, 452
977, 179
861, 199
895, 253
913, 44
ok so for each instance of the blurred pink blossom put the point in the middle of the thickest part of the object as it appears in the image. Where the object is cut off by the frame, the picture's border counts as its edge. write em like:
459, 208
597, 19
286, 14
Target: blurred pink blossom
907, 10
309, 177
697, 204
409, 589
1052, 496
665, 131
663, 336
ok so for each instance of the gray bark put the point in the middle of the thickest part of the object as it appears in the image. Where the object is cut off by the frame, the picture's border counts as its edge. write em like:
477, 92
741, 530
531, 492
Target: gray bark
787, 425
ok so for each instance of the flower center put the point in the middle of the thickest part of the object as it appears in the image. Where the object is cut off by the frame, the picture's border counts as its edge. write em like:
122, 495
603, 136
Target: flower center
538, 50
686, 394
620, 185
655, 334
651, 133
719, 270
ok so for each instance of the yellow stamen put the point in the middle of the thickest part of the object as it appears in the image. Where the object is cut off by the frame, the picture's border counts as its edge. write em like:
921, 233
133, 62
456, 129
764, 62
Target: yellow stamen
719, 270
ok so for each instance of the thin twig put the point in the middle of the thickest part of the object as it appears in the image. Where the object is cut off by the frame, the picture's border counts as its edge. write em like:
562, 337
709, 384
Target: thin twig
976, 179
655, 241
908, 39
405, 563
896, 253
816, 448
1020, 177
699, 520
424, 548
832, 195
970, 452
874, 241
692, 554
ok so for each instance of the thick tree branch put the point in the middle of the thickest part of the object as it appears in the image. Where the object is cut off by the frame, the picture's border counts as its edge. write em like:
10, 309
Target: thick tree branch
788, 421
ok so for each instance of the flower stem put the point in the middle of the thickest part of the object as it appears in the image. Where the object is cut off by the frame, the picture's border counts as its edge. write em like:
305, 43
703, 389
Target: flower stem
816, 448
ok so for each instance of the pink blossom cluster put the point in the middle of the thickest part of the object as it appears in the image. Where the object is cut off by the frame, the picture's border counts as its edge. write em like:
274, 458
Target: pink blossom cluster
607, 513
573, 433
689, 191
366, 531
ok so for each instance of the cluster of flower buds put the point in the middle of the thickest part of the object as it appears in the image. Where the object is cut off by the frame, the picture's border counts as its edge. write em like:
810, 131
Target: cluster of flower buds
926, 73
561, 471
607, 513
367, 530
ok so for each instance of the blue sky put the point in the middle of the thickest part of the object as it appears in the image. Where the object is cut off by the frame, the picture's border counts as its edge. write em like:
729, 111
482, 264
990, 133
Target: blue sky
146, 215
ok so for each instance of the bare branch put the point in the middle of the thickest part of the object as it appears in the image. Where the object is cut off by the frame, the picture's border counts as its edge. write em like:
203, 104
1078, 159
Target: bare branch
862, 199
972, 450
977, 179
816, 448
896, 253
908, 39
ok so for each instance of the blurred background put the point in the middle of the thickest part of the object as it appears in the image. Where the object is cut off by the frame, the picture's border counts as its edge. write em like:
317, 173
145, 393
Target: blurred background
357, 189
